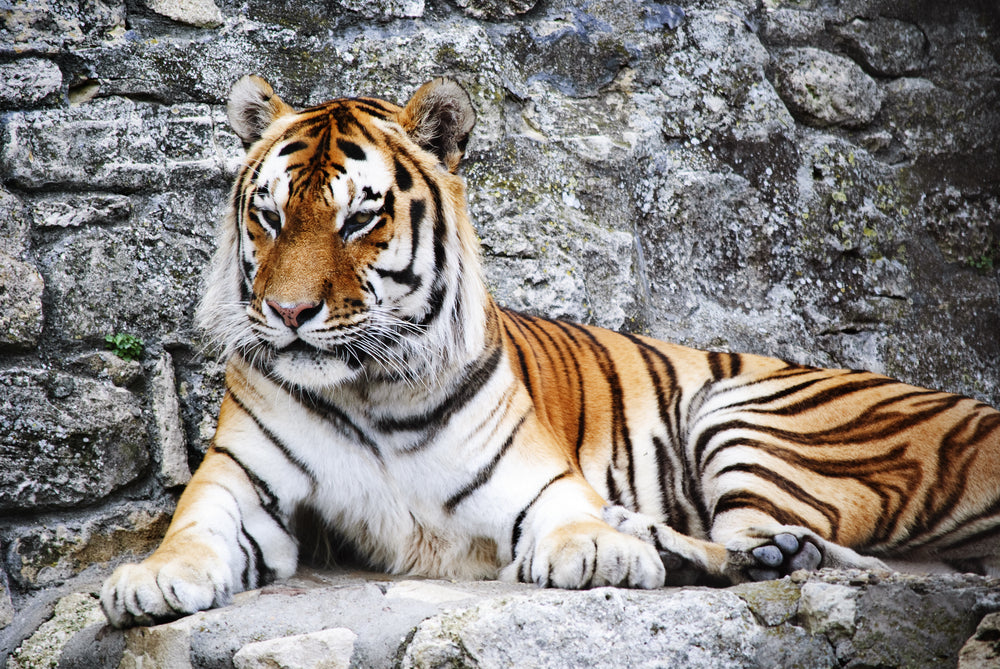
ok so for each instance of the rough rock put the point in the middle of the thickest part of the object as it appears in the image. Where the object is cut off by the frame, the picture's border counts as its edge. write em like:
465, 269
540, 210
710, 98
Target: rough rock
825, 89
66, 440
174, 470
983, 649
21, 317
409, 623
326, 649
29, 82
885, 46
385, 8
42, 650
78, 210
198, 13
49, 554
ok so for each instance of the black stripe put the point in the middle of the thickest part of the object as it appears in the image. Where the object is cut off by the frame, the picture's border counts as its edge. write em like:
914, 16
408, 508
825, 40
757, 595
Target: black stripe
742, 499
406, 276
830, 512
292, 147
622, 440
265, 495
333, 414
404, 180
475, 375
351, 150
270, 436
484, 474
515, 535
522, 361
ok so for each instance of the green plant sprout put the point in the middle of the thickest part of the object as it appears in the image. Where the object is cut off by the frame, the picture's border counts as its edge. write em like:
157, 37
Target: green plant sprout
125, 346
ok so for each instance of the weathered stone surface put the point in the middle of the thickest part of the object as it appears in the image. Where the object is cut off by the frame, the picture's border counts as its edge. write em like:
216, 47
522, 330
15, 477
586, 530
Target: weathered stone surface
47, 26
198, 13
6, 606
107, 365
824, 89
28, 82
885, 46
495, 9
326, 649
385, 8
408, 623
66, 440
596, 628
174, 470
140, 279
21, 317
77, 210
15, 224
116, 144
46, 555
982, 651
42, 650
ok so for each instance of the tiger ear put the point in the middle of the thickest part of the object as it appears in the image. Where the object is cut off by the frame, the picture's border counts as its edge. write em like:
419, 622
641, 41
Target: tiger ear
253, 106
439, 118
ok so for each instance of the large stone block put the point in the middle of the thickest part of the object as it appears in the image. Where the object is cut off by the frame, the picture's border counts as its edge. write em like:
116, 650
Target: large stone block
117, 145
142, 278
46, 555
28, 82
47, 26
66, 440
21, 289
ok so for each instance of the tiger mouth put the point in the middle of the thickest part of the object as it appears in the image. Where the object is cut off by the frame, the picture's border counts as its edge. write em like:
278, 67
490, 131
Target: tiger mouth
354, 356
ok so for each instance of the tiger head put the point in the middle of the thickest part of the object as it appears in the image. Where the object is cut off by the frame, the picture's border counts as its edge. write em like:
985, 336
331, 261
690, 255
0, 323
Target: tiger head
347, 250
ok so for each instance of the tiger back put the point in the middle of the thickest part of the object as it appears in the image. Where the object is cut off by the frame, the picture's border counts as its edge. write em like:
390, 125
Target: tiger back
372, 380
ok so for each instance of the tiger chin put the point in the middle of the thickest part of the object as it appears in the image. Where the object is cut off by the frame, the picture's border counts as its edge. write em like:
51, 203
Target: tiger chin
372, 380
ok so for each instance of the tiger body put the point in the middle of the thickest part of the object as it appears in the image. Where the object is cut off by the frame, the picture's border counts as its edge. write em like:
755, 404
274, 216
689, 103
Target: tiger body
372, 379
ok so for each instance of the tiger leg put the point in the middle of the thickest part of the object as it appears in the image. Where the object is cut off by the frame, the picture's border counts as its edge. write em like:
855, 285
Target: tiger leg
760, 548
754, 553
560, 540
220, 541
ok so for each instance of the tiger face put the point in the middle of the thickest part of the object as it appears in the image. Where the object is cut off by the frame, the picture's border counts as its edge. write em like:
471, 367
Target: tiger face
340, 239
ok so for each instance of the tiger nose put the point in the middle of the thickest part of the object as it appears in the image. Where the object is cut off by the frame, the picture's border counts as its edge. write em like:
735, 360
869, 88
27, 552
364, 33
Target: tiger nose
294, 315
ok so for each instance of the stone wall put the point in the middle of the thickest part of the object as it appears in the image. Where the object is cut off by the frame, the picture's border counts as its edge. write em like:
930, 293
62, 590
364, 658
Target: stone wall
816, 180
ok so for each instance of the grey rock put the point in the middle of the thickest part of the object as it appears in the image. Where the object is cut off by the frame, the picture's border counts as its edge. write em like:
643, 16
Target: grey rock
139, 279
46, 26
828, 609
29, 82
72, 613
21, 317
66, 440
198, 13
887, 47
79, 210
597, 628
114, 144
786, 26
823, 89
15, 224
982, 651
174, 470
410, 623
105, 364
495, 9
326, 649
51, 553
385, 8
6, 606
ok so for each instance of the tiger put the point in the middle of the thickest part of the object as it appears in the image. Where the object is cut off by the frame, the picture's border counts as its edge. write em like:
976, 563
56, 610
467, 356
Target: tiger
372, 380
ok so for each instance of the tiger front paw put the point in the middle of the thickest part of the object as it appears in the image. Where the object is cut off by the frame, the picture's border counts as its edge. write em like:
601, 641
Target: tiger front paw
586, 555
154, 591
